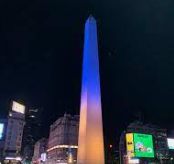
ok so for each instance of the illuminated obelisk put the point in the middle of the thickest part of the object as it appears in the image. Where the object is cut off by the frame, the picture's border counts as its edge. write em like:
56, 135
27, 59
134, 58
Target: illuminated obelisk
90, 145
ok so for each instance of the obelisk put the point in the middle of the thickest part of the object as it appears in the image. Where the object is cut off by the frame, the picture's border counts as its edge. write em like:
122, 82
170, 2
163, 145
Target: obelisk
90, 143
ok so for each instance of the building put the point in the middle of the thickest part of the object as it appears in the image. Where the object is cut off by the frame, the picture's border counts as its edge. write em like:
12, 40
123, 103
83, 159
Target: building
170, 143
3, 128
39, 149
63, 139
14, 132
31, 135
91, 144
159, 137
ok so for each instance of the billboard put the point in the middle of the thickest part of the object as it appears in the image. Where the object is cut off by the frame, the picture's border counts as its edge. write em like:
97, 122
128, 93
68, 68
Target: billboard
43, 157
143, 145
17, 107
133, 161
130, 144
1, 130
139, 145
170, 142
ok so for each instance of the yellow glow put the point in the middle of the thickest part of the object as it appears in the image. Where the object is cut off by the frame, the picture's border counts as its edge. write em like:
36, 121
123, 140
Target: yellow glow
130, 144
91, 144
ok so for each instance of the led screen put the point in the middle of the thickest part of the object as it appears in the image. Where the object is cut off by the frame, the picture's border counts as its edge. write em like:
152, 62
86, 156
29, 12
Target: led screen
1, 130
170, 142
43, 157
143, 145
130, 144
17, 107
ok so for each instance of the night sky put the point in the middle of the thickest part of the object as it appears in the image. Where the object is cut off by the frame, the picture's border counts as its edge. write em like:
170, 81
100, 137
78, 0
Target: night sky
41, 46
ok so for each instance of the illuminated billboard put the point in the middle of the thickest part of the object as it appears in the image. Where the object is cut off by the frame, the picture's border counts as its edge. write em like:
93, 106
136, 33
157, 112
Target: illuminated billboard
170, 142
130, 144
1, 130
43, 157
17, 107
143, 145
139, 145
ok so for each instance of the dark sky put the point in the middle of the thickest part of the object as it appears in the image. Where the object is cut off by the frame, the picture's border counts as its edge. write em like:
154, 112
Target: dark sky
41, 45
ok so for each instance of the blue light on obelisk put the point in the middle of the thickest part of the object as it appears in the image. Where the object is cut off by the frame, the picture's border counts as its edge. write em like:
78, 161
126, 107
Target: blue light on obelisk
90, 145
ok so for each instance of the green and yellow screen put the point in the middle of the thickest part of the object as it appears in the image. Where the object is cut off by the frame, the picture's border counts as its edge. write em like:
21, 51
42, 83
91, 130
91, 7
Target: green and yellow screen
143, 145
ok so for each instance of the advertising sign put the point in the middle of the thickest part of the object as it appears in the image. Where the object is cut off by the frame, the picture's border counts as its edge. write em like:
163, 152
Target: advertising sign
139, 145
17, 107
1, 130
43, 157
143, 145
134, 161
130, 144
170, 142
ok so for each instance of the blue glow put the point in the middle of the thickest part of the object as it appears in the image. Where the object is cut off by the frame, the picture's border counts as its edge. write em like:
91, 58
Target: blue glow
91, 77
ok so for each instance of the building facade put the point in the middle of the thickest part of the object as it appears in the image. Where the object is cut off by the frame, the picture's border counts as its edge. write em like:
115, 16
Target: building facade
14, 131
159, 140
39, 149
31, 135
63, 139
159, 136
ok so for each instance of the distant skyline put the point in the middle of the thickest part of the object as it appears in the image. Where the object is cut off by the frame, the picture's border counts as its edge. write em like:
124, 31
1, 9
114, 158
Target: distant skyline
41, 48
